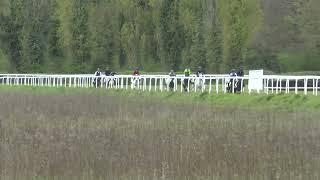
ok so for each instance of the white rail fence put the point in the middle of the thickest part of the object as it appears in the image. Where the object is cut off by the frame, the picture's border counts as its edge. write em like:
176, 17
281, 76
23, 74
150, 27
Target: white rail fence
207, 83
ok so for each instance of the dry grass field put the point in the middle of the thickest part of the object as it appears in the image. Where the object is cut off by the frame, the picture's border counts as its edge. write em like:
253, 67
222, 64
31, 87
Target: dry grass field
94, 136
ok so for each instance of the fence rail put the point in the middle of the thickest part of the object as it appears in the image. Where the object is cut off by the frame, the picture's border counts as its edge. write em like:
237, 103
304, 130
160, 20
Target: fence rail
211, 83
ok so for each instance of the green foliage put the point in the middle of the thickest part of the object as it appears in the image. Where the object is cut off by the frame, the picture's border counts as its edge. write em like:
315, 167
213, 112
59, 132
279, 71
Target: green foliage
171, 34
240, 20
4, 63
80, 47
81, 35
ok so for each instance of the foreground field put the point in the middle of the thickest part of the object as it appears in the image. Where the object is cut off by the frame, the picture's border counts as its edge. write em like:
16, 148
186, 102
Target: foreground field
57, 134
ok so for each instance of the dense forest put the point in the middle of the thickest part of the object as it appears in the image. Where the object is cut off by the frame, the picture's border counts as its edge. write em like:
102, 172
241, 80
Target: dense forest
72, 36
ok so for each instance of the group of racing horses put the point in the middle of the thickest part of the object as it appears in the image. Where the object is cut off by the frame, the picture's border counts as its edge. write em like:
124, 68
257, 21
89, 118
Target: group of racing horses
197, 82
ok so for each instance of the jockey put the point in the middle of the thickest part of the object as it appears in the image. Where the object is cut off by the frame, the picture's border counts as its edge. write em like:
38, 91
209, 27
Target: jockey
136, 72
187, 72
172, 73
108, 72
234, 84
240, 72
97, 80
98, 72
200, 71
233, 73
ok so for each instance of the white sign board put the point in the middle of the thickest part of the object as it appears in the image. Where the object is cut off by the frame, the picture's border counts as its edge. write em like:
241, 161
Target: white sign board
255, 80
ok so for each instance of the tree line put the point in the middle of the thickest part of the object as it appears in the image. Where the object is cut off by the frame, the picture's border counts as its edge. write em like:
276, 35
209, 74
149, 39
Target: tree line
157, 35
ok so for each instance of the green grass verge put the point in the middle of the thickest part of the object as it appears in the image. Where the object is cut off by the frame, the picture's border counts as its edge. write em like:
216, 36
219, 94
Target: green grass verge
279, 102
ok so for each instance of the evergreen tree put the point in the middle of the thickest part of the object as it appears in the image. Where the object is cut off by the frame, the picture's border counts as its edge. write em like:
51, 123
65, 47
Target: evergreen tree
80, 47
103, 41
11, 25
171, 33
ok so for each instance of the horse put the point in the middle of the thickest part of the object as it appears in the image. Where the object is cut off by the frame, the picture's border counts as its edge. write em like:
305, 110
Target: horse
199, 82
187, 83
109, 80
104, 80
135, 82
170, 82
234, 85
97, 81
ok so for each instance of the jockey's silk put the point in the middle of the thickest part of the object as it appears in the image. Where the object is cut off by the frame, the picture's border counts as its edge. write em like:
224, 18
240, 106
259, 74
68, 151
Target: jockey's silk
97, 73
187, 72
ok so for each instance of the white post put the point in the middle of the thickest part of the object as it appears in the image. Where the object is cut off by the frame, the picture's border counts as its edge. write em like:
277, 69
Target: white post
121, 82
181, 80
189, 84
272, 89
306, 86
161, 84
314, 86
75, 82
287, 86
217, 85
242, 86
175, 81
317, 87
150, 84
210, 86
280, 85
127, 82
144, 84
195, 85
224, 82
296, 86
277, 86
203, 84
233, 84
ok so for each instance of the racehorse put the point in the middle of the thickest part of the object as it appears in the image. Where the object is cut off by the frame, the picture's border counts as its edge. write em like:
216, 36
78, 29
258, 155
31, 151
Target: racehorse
104, 80
170, 82
97, 81
199, 82
235, 84
109, 80
135, 82
186, 84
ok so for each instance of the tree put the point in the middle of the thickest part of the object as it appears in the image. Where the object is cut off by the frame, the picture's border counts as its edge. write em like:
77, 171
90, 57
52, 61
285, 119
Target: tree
11, 26
80, 47
171, 33
240, 22
35, 29
103, 36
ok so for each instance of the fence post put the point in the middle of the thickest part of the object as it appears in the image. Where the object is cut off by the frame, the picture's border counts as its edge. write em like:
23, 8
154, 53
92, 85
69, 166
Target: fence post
317, 87
306, 86
181, 84
150, 84
217, 85
242, 84
188, 84
210, 86
314, 85
224, 82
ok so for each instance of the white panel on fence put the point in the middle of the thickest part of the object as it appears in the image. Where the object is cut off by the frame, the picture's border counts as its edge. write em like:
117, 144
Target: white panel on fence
255, 80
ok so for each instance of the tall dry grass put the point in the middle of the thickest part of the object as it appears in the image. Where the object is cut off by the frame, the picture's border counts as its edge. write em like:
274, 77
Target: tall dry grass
90, 136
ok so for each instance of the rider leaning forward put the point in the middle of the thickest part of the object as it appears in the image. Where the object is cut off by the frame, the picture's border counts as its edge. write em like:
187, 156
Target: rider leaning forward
172, 73
136, 72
